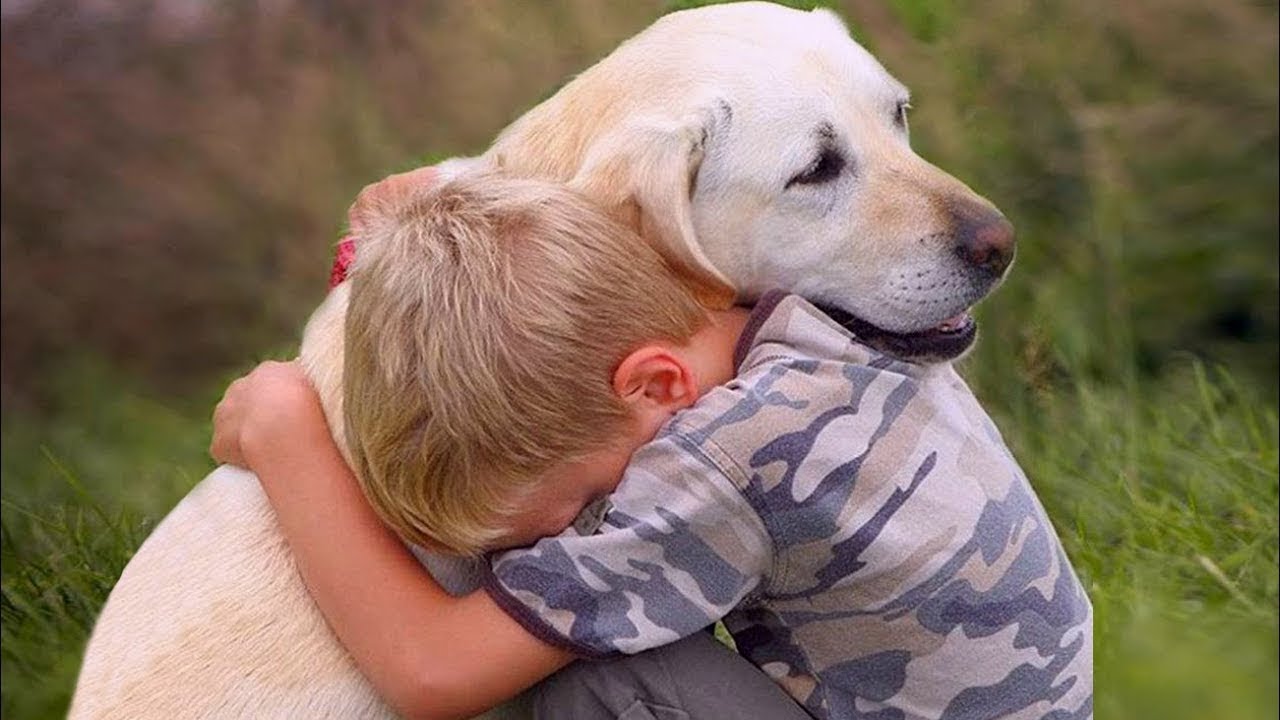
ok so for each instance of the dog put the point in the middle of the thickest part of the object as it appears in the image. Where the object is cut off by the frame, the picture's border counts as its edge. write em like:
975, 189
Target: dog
754, 146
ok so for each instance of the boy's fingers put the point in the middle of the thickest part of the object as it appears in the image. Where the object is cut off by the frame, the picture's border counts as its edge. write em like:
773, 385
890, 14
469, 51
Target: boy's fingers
218, 443
222, 443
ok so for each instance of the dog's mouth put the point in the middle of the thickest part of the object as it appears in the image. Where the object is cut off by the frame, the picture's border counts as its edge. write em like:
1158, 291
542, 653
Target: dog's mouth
945, 341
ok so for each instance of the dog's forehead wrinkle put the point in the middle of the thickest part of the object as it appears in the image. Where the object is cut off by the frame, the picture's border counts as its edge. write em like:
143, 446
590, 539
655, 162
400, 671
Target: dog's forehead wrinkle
866, 83
726, 112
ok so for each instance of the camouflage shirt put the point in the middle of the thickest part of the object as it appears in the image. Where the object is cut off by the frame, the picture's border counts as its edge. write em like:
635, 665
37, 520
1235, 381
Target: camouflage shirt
857, 522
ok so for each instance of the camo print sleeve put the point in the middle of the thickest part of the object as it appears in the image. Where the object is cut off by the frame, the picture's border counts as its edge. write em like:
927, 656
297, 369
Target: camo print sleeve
678, 549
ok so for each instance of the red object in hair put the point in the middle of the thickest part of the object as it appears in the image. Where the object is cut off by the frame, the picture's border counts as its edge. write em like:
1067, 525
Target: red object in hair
342, 261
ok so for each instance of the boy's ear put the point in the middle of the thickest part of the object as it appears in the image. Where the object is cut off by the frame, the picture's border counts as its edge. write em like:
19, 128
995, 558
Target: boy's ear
654, 377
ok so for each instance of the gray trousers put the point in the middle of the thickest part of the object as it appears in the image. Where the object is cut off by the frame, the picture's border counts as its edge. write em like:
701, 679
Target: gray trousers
696, 678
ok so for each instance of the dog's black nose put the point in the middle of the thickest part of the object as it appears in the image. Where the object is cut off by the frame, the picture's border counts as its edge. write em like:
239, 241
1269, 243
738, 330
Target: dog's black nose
984, 239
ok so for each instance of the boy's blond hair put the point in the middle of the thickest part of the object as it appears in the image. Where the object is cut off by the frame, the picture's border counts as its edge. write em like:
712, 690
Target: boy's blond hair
487, 316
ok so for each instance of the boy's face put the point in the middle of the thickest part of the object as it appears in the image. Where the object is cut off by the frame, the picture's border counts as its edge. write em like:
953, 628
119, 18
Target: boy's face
654, 382
565, 489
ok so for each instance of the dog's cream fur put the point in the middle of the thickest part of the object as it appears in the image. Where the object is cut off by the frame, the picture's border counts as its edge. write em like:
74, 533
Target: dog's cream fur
693, 131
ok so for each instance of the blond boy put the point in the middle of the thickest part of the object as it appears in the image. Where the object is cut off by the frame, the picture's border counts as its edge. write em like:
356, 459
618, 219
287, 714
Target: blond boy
484, 410
855, 518
472, 361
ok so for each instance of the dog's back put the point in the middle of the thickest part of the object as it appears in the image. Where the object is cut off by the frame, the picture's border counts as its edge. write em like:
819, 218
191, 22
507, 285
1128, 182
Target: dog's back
249, 643
211, 619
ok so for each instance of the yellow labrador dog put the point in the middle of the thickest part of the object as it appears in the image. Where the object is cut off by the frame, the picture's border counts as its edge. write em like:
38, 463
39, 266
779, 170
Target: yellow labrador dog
756, 147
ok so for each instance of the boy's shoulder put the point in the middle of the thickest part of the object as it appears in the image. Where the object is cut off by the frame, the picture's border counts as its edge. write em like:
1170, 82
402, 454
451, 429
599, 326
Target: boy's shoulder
803, 380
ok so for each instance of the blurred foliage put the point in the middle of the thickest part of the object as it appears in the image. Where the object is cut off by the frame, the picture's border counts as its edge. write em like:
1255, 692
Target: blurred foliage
174, 183
1134, 146
175, 175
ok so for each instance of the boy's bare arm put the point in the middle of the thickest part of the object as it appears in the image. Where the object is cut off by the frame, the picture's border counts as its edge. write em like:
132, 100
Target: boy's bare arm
429, 654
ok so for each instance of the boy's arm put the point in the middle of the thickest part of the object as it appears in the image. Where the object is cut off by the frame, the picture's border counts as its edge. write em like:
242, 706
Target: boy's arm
428, 653
679, 549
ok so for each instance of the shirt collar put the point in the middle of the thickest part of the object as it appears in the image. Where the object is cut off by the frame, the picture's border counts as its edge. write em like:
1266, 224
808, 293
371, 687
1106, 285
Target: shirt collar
790, 320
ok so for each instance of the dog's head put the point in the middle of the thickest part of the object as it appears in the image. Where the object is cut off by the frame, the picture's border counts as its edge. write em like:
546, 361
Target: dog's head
761, 147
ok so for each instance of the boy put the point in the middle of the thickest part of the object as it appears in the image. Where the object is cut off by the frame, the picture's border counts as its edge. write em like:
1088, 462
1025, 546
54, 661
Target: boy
855, 519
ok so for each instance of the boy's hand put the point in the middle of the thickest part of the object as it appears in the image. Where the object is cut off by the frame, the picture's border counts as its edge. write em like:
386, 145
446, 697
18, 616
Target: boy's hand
414, 641
271, 407
275, 405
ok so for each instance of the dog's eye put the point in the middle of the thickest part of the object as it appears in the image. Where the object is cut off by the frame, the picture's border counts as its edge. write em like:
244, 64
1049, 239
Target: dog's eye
825, 168
900, 114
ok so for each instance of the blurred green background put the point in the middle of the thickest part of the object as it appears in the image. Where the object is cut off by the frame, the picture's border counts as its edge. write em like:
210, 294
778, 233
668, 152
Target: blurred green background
175, 174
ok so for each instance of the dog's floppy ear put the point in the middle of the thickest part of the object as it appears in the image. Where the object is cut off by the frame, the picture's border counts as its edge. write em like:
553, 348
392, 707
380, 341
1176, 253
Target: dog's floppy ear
376, 207
644, 172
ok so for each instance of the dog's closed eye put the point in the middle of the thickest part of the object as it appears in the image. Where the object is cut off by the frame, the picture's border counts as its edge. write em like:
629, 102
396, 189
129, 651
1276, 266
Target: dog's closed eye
825, 168
900, 114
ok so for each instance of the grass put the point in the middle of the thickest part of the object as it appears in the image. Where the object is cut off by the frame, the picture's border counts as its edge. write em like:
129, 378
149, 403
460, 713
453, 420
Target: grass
60, 564
1166, 500
82, 488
